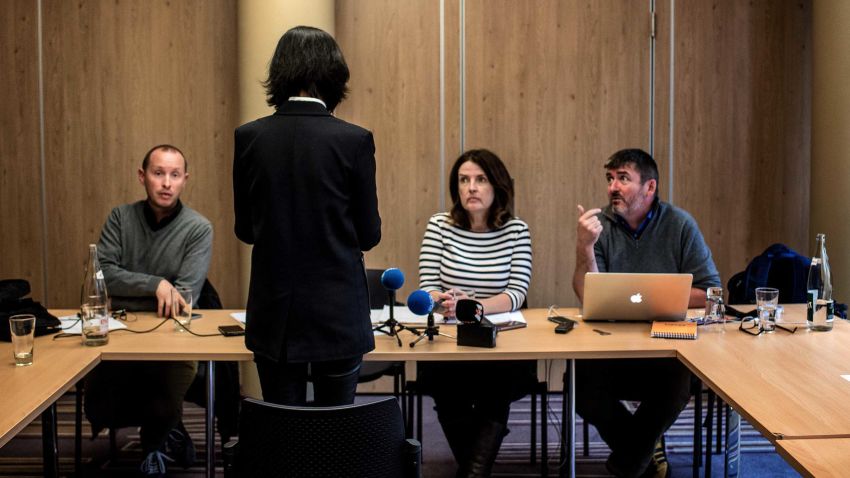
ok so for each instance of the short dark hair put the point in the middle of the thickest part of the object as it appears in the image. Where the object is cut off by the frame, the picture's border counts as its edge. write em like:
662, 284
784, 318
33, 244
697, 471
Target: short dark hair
502, 209
168, 149
642, 161
307, 59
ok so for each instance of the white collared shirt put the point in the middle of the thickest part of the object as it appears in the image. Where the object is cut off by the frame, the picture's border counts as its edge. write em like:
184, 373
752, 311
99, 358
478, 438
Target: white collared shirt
308, 98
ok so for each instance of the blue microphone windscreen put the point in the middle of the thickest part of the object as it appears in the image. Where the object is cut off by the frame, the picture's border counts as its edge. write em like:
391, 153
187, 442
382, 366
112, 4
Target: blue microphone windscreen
392, 279
420, 302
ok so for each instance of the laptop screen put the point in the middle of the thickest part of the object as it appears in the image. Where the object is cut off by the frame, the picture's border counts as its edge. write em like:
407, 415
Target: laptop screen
636, 297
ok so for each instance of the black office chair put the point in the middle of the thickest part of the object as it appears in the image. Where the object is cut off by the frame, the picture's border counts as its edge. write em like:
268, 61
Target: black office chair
365, 440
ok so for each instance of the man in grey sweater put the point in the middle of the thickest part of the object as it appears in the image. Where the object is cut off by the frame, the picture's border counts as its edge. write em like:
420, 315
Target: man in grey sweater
146, 249
637, 232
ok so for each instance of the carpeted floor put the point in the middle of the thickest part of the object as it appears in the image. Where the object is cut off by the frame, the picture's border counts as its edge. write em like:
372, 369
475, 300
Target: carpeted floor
22, 456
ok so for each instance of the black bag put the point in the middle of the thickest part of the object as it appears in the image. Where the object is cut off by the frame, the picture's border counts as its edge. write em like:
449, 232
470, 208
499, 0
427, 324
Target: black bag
12, 302
778, 266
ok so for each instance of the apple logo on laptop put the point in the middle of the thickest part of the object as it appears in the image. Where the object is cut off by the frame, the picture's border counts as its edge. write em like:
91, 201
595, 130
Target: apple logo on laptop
636, 299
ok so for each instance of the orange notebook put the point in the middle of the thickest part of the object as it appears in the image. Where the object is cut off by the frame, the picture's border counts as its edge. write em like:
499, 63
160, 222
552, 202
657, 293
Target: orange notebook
674, 330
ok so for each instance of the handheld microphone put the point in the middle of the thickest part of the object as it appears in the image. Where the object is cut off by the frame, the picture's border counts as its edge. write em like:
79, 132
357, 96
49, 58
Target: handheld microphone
420, 302
469, 311
474, 329
392, 279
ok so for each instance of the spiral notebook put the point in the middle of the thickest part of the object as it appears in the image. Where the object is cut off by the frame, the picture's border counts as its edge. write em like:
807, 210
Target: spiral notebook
674, 330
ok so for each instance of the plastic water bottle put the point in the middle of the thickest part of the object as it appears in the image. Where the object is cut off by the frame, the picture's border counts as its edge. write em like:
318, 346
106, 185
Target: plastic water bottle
820, 306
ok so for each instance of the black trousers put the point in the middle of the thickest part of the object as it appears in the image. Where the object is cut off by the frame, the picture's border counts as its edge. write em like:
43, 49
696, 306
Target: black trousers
473, 401
147, 394
334, 381
661, 385
480, 389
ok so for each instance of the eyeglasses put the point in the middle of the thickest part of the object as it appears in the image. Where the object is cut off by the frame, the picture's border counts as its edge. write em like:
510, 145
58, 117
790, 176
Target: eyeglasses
753, 327
121, 314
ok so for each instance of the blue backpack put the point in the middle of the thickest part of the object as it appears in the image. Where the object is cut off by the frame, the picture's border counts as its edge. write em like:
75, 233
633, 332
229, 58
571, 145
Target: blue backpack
778, 266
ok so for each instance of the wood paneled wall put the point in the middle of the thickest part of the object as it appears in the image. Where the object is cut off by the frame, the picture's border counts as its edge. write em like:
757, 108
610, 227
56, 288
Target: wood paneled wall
557, 86
742, 123
21, 229
120, 77
554, 90
392, 49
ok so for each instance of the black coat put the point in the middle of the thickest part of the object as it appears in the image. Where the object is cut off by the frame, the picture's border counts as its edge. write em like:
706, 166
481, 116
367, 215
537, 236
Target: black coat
305, 197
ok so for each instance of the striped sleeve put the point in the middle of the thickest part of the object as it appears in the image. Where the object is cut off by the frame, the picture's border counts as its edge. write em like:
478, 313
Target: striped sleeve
520, 275
430, 255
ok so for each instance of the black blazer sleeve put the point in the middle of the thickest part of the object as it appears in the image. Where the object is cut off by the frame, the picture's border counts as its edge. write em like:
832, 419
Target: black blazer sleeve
367, 221
241, 201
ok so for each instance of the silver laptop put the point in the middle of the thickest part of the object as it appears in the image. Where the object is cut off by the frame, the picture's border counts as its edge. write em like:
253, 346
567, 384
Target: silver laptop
634, 297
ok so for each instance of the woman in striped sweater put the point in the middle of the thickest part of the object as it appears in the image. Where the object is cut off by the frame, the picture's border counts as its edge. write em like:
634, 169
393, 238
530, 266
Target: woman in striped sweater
478, 246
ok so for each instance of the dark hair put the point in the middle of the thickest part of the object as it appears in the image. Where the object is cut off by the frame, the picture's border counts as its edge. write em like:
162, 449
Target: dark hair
307, 59
168, 149
642, 161
502, 209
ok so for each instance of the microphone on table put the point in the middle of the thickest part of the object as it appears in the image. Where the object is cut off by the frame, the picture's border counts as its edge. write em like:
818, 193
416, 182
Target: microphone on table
474, 329
392, 279
468, 311
421, 303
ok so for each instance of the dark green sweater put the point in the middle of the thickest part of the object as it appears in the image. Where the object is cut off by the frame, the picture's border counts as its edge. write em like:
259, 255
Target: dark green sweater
135, 258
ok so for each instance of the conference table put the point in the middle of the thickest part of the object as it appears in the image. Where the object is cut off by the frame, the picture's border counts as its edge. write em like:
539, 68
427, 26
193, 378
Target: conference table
59, 363
817, 456
788, 386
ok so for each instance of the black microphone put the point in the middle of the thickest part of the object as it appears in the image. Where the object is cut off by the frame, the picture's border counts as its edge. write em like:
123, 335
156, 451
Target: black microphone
470, 311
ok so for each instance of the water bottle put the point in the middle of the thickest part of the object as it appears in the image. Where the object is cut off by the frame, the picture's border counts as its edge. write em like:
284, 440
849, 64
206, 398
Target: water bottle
94, 307
820, 308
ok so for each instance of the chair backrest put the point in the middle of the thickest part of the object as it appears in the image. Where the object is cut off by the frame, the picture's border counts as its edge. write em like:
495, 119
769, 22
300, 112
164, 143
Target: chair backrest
356, 440
208, 297
778, 266
377, 294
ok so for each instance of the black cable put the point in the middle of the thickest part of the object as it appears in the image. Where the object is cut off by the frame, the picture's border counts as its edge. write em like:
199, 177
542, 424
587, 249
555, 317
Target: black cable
64, 334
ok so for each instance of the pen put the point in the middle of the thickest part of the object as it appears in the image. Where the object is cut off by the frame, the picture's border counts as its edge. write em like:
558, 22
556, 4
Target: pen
601, 332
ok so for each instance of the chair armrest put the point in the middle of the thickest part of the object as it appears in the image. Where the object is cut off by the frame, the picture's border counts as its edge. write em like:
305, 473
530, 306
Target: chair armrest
412, 458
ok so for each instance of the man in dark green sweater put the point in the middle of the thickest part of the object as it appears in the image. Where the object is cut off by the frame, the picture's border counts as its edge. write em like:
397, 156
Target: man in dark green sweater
146, 249
637, 232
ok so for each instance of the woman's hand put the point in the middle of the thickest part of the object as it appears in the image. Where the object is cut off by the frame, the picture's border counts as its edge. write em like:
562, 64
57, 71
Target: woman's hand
448, 300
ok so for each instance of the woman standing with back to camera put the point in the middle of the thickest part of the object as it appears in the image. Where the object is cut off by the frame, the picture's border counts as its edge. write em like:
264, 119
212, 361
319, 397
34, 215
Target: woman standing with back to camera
304, 196
478, 246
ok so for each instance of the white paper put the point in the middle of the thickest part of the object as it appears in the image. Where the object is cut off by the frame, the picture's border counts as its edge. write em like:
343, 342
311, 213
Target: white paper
72, 325
405, 316
239, 316
506, 317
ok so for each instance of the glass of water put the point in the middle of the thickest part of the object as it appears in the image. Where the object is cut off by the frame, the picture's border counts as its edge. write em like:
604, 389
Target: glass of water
181, 307
767, 301
715, 312
22, 328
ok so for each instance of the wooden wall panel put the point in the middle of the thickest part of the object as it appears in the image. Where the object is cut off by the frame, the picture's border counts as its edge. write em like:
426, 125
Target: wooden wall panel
392, 49
119, 78
742, 129
554, 89
20, 164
